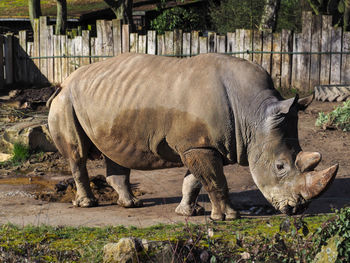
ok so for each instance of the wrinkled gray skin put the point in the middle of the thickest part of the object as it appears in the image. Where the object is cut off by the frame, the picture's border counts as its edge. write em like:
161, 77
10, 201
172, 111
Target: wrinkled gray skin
151, 112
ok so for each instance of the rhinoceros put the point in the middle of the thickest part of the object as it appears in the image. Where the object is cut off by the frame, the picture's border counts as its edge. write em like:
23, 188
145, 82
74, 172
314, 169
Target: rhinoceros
151, 112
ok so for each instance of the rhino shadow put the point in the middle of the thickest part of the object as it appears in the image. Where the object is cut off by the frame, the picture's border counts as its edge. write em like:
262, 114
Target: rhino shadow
253, 203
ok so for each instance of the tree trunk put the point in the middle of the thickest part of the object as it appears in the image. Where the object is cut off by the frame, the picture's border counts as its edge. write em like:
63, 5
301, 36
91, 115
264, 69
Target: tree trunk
34, 10
61, 20
269, 16
346, 15
122, 10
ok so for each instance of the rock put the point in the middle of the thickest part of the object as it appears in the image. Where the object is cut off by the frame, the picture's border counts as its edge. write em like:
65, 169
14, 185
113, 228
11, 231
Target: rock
5, 157
329, 252
122, 252
33, 134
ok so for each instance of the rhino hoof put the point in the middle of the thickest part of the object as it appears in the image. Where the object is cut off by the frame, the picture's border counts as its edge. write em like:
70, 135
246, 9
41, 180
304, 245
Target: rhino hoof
232, 215
134, 202
187, 210
85, 202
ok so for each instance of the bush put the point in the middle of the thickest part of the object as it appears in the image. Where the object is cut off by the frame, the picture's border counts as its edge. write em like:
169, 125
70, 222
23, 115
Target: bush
339, 118
179, 18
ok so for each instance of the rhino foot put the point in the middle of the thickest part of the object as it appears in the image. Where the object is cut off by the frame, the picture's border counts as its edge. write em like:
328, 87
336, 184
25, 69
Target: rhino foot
130, 202
189, 210
230, 214
85, 202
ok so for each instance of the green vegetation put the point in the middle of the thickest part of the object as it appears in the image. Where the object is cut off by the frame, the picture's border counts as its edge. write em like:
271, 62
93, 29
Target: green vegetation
186, 19
229, 15
275, 239
20, 154
19, 8
339, 118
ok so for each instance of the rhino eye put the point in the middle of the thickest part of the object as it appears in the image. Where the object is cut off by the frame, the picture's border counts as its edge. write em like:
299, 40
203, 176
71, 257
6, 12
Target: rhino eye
280, 168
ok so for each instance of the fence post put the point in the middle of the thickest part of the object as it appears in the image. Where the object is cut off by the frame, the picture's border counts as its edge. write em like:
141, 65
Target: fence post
247, 34
231, 42
212, 42
36, 50
286, 74
117, 36
64, 52
221, 44
50, 53
133, 42
169, 43
315, 47
86, 47
23, 54
194, 43
203, 45
142, 44
257, 46
335, 58
177, 42
325, 47
160, 45
345, 71
186, 44
267, 46
2, 77
125, 38
151, 42
43, 37
276, 60
9, 58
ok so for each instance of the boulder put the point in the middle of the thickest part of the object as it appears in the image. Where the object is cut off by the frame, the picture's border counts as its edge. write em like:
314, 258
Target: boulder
34, 134
122, 252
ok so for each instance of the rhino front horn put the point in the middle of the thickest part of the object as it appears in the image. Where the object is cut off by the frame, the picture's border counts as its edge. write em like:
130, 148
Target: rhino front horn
316, 182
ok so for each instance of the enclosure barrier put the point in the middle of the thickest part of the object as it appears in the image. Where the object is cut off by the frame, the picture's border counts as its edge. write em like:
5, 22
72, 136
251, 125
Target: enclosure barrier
320, 54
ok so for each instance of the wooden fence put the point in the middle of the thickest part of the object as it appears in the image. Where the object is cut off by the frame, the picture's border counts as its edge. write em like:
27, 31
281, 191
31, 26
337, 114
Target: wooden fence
317, 55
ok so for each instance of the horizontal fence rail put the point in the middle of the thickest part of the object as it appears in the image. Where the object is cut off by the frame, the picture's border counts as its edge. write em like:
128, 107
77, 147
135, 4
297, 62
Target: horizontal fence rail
320, 54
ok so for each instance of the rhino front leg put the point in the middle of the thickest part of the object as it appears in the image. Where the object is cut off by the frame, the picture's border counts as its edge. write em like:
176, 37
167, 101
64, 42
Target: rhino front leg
190, 190
207, 166
118, 177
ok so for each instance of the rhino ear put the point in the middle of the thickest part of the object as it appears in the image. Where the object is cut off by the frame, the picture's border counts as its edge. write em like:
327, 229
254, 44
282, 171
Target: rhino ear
284, 106
303, 103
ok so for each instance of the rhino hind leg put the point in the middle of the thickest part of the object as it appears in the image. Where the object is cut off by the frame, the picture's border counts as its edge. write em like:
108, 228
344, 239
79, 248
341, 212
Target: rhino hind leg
73, 144
190, 190
207, 166
118, 177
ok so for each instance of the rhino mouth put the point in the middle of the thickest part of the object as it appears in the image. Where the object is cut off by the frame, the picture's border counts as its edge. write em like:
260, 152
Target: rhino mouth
294, 210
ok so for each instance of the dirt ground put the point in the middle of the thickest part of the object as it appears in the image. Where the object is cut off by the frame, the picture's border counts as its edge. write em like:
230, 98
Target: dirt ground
40, 191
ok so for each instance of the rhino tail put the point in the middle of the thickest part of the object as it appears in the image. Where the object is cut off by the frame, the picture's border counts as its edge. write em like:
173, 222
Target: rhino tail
54, 94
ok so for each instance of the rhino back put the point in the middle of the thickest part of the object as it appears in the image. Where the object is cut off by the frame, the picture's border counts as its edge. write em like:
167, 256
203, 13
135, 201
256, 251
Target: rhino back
142, 111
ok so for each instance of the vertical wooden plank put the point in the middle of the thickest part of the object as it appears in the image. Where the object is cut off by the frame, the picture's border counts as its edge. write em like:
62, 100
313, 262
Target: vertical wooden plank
50, 53
231, 42
31, 65
117, 36
211, 42
194, 43
2, 76
36, 36
9, 58
17, 60
315, 47
203, 45
125, 38
326, 47
64, 52
78, 45
99, 40
186, 44
276, 60
239, 43
57, 52
160, 44
92, 49
151, 42
335, 58
248, 44
306, 47
86, 47
43, 35
296, 68
142, 44
267, 47
23, 53
178, 42
257, 46
345, 69
169, 43
286, 74
71, 53
133, 42
221, 44
107, 38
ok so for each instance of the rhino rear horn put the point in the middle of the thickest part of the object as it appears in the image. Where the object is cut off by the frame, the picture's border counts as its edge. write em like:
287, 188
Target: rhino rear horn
307, 161
317, 182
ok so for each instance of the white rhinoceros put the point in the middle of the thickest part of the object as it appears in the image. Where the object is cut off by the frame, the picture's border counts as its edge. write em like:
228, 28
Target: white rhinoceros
150, 112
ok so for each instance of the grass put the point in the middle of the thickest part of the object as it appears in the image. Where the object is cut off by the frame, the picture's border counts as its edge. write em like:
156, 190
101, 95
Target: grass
229, 239
19, 8
20, 154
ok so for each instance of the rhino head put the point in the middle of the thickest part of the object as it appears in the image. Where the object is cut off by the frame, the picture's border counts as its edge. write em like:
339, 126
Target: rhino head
281, 170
